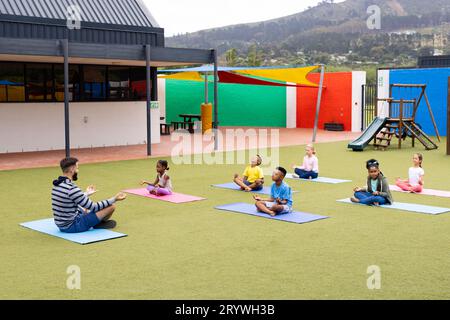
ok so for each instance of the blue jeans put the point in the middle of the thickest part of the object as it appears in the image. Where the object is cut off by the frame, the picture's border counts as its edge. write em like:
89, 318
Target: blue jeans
303, 174
83, 222
248, 183
369, 199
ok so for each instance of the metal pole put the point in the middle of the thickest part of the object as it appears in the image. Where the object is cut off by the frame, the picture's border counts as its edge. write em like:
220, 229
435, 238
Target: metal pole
363, 105
216, 101
206, 87
319, 100
149, 100
65, 45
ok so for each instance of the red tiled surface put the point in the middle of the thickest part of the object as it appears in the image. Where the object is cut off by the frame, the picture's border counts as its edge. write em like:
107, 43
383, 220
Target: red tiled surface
287, 137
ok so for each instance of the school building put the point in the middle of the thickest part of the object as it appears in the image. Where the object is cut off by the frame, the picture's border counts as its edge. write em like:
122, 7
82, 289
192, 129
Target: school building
73, 74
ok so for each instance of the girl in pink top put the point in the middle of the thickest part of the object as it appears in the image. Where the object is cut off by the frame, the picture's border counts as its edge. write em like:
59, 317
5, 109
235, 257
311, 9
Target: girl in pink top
416, 173
310, 167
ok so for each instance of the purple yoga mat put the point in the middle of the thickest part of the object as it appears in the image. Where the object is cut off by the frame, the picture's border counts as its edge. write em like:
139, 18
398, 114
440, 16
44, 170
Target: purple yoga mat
173, 198
294, 217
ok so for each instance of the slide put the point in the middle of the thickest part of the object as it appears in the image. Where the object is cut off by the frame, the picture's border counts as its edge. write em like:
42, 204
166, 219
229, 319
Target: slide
367, 136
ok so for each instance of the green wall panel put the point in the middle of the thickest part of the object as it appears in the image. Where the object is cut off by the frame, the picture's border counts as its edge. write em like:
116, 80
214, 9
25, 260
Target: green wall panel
239, 105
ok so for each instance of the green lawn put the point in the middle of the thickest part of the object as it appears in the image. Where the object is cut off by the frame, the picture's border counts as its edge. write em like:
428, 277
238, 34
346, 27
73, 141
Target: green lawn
193, 251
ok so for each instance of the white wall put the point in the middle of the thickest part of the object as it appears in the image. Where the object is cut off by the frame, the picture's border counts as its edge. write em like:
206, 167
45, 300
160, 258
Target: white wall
40, 126
291, 107
383, 93
358, 80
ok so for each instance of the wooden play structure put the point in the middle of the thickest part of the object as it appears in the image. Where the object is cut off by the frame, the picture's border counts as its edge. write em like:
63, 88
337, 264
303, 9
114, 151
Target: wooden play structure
400, 122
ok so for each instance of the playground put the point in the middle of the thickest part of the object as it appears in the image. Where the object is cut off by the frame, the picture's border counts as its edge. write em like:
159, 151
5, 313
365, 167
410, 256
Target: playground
200, 248
193, 251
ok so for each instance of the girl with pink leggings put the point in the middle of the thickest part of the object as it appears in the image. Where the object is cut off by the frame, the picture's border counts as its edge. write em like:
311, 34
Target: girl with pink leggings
162, 185
416, 173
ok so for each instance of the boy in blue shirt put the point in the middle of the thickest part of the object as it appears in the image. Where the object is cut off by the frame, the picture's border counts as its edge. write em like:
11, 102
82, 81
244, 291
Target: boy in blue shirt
280, 201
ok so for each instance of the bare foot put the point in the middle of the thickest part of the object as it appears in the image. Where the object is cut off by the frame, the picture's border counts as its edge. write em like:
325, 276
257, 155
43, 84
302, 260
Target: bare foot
248, 189
353, 199
272, 214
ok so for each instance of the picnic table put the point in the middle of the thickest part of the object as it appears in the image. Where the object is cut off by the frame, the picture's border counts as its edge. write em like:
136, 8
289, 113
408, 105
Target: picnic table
188, 119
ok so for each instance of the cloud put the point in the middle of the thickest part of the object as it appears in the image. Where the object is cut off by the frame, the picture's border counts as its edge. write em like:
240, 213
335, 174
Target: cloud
181, 16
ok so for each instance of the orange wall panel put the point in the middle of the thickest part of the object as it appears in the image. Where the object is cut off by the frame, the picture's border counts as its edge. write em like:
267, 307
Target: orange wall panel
336, 103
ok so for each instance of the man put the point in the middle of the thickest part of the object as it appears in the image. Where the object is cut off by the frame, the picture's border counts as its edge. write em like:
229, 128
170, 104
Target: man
73, 210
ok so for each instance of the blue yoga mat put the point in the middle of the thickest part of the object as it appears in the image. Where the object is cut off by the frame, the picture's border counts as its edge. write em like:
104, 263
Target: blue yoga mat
419, 208
295, 217
48, 226
319, 179
233, 186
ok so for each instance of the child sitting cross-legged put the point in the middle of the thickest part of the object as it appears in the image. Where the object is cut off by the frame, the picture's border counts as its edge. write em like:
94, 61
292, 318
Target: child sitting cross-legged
280, 200
376, 192
253, 176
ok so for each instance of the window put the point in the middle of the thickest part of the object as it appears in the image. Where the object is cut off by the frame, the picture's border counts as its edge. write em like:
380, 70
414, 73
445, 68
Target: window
119, 83
12, 87
74, 82
94, 86
44, 82
39, 82
138, 83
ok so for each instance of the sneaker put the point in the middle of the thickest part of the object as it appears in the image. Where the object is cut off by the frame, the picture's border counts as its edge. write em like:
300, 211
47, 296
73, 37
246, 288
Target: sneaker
295, 176
110, 224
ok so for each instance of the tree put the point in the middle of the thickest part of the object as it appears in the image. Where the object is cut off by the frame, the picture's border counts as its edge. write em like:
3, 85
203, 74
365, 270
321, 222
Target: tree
232, 57
254, 56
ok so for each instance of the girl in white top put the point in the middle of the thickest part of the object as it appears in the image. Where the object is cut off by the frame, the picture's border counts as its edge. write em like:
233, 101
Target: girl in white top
310, 167
162, 185
416, 173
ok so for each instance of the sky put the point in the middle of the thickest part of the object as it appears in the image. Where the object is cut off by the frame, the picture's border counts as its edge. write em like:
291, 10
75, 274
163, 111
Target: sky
181, 16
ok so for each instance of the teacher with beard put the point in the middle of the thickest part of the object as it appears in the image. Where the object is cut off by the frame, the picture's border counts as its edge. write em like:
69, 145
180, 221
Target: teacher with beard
73, 211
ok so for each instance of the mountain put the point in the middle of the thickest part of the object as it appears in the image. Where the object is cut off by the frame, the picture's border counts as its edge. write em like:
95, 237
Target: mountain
334, 32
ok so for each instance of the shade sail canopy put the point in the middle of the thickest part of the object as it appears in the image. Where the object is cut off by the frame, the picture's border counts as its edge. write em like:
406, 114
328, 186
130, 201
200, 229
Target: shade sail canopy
246, 75
190, 76
294, 75
229, 77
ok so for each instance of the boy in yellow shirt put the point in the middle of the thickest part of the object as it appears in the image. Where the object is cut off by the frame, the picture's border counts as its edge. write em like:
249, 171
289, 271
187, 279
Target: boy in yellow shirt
253, 176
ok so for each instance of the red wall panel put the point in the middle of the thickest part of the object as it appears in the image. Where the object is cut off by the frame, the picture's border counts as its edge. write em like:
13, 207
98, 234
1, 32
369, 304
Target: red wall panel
336, 103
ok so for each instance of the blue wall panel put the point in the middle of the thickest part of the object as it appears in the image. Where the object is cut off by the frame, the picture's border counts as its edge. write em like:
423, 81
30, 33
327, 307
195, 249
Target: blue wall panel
437, 87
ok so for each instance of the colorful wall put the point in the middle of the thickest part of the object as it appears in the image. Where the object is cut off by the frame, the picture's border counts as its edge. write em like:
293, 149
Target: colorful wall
266, 106
239, 105
437, 90
341, 101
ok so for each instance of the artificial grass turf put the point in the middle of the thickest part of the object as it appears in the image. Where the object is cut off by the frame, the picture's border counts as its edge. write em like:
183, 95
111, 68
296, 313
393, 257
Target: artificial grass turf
192, 251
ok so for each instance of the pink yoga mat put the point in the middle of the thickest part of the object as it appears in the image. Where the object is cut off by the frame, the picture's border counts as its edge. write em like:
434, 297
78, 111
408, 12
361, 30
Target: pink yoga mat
427, 192
174, 197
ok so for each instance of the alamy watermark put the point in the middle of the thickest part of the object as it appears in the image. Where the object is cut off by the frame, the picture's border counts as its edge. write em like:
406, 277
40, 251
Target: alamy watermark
374, 20
374, 280
234, 146
74, 17
73, 281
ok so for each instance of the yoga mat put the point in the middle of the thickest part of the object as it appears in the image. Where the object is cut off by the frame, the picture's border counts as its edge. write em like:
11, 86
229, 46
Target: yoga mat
294, 217
419, 208
426, 192
319, 179
173, 198
234, 186
48, 226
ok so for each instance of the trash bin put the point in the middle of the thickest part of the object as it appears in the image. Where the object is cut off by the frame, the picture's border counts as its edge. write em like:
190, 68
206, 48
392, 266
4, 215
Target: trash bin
206, 117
